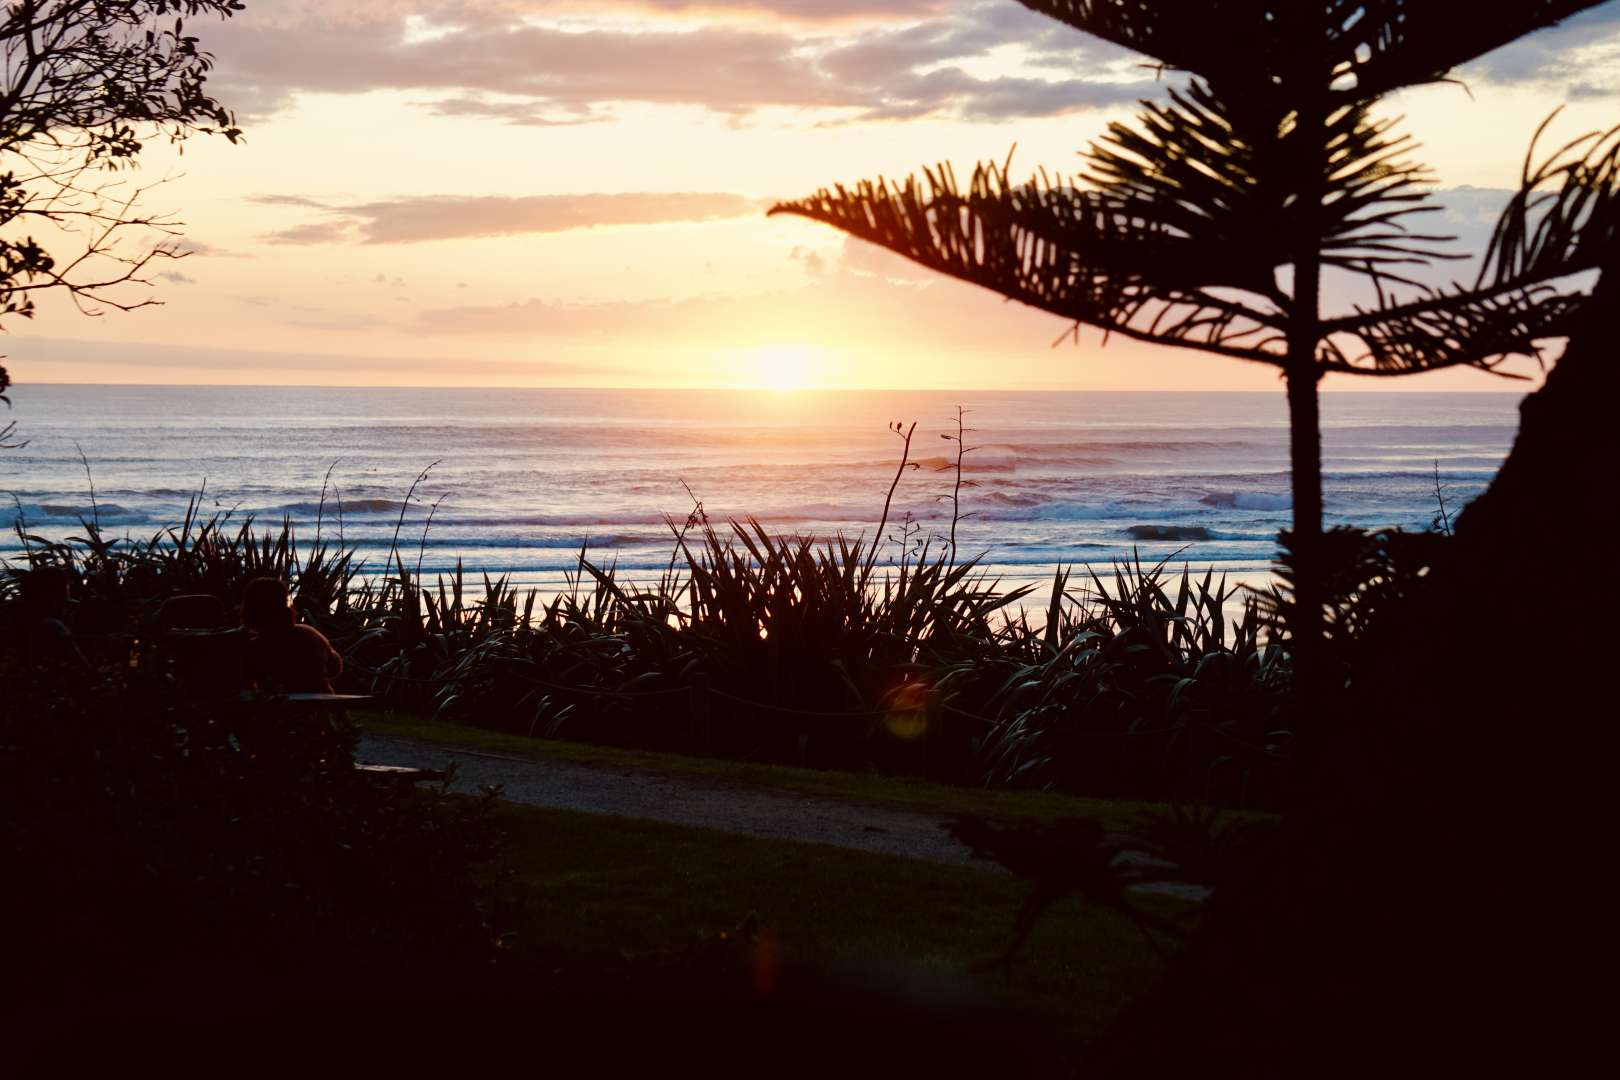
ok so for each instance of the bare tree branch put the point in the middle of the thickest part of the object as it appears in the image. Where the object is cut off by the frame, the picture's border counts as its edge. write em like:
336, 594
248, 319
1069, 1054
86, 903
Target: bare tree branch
83, 84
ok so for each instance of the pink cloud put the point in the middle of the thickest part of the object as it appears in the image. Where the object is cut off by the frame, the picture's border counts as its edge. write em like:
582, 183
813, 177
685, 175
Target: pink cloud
489, 62
448, 217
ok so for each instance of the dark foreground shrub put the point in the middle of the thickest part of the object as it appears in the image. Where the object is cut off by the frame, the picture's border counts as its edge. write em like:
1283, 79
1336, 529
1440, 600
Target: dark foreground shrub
1145, 686
157, 851
765, 647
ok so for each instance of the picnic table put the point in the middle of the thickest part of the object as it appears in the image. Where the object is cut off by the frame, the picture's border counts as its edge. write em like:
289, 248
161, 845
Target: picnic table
399, 776
335, 701
211, 660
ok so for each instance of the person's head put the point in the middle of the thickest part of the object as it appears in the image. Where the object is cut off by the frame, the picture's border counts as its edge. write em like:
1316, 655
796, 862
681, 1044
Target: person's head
44, 591
266, 607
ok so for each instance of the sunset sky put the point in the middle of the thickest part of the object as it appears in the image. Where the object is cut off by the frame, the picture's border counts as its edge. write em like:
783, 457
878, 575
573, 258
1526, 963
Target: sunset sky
534, 192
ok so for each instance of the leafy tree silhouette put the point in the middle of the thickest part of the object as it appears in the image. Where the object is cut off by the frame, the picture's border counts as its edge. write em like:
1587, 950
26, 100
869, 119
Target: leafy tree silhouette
83, 83
1212, 221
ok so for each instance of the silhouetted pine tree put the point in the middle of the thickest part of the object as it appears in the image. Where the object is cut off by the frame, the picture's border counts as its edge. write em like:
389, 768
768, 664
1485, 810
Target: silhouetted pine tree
1211, 221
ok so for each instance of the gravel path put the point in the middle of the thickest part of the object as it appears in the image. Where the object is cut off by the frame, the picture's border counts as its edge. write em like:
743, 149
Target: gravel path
680, 801
683, 802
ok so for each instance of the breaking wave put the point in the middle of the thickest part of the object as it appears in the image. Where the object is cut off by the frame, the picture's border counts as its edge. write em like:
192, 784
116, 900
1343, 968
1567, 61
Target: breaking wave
1246, 500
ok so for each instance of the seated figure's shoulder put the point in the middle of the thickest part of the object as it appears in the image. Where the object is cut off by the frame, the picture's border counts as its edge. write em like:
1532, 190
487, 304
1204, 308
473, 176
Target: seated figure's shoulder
309, 634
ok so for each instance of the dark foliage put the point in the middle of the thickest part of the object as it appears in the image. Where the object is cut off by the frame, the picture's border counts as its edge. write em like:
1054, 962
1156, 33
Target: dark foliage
767, 647
1371, 578
161, 853
1143, 687
1415, 905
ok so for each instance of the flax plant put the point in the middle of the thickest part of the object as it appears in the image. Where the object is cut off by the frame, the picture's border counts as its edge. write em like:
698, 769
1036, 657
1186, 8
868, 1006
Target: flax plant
930, 666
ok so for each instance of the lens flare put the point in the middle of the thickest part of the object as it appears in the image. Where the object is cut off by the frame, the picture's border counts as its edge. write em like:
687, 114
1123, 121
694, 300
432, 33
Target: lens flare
907, 716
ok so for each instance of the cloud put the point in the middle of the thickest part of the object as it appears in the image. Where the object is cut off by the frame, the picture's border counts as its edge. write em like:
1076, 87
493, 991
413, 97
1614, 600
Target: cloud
1005, 98
451, 217
813, 263
808, 10
488, 61
879, 296
565, 62
317, 317
1591, 91
442, 217
190, 246
865, 259
175, 277
842, 303
1466, 212
522, 113
287, 200
351, 12
972, 31
1580, 57
316, 232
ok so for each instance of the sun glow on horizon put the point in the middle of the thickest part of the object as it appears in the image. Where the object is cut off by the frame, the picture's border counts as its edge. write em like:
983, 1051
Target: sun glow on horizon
783, 367
642, 257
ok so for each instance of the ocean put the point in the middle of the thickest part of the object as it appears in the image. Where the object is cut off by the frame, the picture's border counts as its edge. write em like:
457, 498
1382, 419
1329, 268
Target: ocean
521, 480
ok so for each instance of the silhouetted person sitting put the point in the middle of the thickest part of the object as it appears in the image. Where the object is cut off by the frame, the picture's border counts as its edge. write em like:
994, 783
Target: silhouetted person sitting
46, 638
285, 653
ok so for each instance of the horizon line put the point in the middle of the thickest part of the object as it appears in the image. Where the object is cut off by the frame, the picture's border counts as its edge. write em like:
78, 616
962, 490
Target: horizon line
776, 391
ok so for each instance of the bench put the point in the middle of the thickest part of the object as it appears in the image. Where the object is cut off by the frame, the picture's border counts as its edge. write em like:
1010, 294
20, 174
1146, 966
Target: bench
401, 777
210, 661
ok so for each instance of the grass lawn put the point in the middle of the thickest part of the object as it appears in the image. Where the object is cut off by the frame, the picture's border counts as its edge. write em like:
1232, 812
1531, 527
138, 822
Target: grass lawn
596, 887
899, 793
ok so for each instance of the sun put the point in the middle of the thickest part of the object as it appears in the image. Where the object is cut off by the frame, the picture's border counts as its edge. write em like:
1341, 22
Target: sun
780, 367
